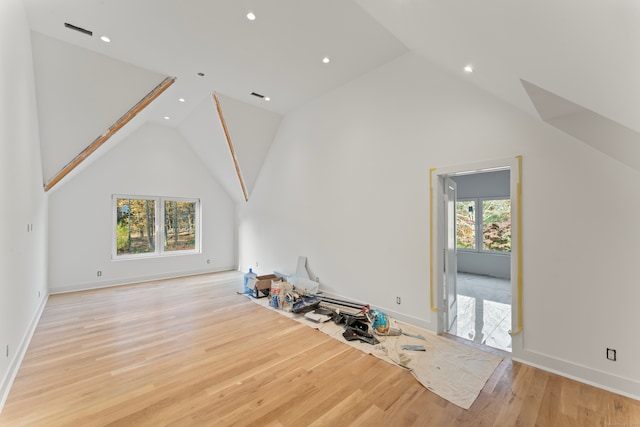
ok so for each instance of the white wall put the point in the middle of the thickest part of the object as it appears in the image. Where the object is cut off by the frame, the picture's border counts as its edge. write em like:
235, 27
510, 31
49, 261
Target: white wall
346, 184
23, 286
154, 161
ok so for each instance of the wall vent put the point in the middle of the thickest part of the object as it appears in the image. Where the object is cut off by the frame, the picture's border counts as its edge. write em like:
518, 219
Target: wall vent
78, 29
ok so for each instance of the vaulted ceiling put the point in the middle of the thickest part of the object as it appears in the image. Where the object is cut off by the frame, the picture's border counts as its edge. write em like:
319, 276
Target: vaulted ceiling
538, 56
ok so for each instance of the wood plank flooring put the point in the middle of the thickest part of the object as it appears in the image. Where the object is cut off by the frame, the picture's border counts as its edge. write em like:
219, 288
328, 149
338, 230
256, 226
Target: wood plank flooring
190, 351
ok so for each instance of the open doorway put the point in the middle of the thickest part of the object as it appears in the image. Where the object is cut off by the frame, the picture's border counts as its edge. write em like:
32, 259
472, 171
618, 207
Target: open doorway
483, 267
476, 252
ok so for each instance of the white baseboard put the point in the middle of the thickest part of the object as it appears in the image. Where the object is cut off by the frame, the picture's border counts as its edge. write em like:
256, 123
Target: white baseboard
134, 279
10, 376
606, 381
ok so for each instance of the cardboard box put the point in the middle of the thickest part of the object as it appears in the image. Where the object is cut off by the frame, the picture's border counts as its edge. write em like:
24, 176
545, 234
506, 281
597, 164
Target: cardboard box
260, 286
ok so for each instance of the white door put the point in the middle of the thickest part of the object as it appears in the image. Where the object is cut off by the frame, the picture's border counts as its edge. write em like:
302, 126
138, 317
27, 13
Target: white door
450, 261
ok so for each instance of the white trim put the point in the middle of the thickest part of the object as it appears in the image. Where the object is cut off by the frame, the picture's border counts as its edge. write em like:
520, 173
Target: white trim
14, 366
479, 167
616, 384
511, 163
136, 279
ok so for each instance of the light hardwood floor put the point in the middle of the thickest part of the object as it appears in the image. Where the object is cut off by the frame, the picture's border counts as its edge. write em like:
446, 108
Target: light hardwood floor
190, 351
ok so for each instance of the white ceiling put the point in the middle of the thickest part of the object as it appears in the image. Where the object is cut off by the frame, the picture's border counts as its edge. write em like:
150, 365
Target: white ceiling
278, 55
581, 53
586, 51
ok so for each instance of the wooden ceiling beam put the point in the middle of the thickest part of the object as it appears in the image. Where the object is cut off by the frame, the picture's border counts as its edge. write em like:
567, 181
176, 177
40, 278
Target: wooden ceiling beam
141, 105
233, 153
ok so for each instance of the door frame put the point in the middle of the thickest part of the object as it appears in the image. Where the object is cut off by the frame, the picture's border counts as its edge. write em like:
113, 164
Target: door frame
450, 273
438, 236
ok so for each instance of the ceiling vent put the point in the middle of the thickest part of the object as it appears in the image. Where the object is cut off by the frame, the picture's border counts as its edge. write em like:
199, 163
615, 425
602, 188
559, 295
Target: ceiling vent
78, 29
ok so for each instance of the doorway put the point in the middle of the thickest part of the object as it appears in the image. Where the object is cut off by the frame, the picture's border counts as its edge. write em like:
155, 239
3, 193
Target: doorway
477, 258
482, 214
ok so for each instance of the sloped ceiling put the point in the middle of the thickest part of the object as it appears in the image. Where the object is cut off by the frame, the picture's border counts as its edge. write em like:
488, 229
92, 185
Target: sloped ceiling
71, 119
210, 46
603, 134
251, 130
205, 135
580, 51
583, 51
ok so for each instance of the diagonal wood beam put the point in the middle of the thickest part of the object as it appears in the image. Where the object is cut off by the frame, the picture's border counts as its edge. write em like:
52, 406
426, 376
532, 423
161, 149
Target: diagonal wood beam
141, 105
233, 153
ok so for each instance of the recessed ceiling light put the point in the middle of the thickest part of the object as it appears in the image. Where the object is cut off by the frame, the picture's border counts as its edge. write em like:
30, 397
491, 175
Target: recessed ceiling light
326, 60
251, 16
468, 69
167, 117
181, 99
266, 98
105, 39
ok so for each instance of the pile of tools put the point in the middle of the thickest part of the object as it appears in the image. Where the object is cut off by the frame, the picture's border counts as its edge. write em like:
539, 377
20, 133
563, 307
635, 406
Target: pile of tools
361, 322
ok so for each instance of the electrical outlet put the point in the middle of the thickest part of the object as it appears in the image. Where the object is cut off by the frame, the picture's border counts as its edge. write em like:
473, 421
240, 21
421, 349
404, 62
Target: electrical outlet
397, 300
99, 273
611, 354
256, 264
208, 261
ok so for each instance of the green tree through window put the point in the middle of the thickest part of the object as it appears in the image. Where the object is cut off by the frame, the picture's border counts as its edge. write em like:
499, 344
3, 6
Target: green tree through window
135, 226
496, 225
179, 225
494, 215
466, 224
138, 218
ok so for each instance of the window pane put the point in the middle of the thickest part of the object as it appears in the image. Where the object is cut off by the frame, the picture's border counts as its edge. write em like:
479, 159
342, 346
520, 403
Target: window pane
179, 225
466, 224
135, 229
496, 225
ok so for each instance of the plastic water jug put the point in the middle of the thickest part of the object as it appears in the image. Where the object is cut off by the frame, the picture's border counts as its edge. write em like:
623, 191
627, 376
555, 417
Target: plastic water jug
248, 276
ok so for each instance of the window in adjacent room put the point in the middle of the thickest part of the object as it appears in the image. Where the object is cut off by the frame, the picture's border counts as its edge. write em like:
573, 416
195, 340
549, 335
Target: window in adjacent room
466, 224
496, 225
494, 216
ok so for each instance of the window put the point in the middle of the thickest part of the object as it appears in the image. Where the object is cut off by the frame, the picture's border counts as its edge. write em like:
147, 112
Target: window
496, 225
179, 225
136, 226
138, 219
495, 217
466, 224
